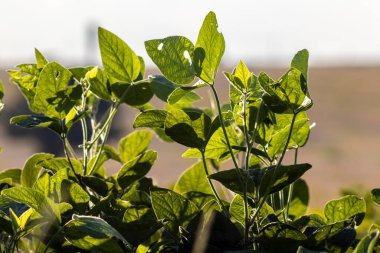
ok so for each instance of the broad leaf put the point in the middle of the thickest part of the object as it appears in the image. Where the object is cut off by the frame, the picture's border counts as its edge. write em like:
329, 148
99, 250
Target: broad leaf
94, 234
32, 168
136, 94
299, 137
237, 209
120, 62
279, 237
375, 195
136, 168
134, 144
173, 55
300, 61
40, 59
345, 208
193, 179
209, 49
174, 208
34, 199
99, 83
14, 174
367, 243
55, 92
31, 121
187, 128
150, 118
232, 179
161, 87
184, 91
285, 175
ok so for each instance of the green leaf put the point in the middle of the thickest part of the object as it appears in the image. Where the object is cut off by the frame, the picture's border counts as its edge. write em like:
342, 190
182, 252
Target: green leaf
13, 174
201, 199
184, 91
193, 179
26, 80
241, 78
136, 168
74, 194
375, 195
120, 62
367, 243
299, 137
31, 121
55, 96
150, 118
94, 234
79, 73
345, 208
288, 94
99, 185
43, 184
173, 55
230, 179
209, 49
161, 86
134, 144
286, 174
56, 164
34, 199
279, 237
325, 232
174, 208
32, 168
136, 94
237, 209
99, 83
300, 62
187, 128
40, 59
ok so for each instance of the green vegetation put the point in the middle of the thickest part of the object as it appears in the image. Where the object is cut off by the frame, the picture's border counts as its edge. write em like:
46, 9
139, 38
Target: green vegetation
70, 204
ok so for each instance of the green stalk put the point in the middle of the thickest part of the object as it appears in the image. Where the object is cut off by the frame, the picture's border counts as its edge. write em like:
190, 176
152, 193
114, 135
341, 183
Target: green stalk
246, 166
276, 168
291, 187
224, 127
101, 149
227, 214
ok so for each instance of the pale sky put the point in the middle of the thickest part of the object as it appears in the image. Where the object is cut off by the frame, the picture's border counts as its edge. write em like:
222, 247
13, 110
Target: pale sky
336, 32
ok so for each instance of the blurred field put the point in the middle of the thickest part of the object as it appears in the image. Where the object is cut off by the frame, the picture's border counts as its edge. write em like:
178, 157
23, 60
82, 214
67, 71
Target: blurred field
344, 146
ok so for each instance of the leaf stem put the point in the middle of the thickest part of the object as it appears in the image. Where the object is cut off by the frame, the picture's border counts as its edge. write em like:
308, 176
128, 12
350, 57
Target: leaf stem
212, 186
291, 187
276, 168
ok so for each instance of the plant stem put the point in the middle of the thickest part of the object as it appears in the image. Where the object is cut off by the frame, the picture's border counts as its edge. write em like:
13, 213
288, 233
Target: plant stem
212, 186
291, 187
246, 167
224, 127
64, 141
100, 151
276, 168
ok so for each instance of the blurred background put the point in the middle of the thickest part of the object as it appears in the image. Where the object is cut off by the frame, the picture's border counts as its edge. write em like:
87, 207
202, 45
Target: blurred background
341, 36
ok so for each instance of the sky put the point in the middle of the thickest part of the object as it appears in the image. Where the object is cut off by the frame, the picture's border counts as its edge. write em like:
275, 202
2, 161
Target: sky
336, 32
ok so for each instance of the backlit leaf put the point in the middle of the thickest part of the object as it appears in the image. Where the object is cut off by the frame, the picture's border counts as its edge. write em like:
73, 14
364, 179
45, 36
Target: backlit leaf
345, 208
55, 92
193, 179
94, 234
136, 168
150, 118
209, 49
174, 208
32, 168
134, 144
120, 62
173, 55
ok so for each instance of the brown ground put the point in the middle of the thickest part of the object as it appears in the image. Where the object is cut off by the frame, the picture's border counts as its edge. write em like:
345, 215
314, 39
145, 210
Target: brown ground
343, 147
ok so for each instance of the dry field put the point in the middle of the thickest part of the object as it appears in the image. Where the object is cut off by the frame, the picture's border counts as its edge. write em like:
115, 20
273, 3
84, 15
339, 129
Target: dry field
344, 147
